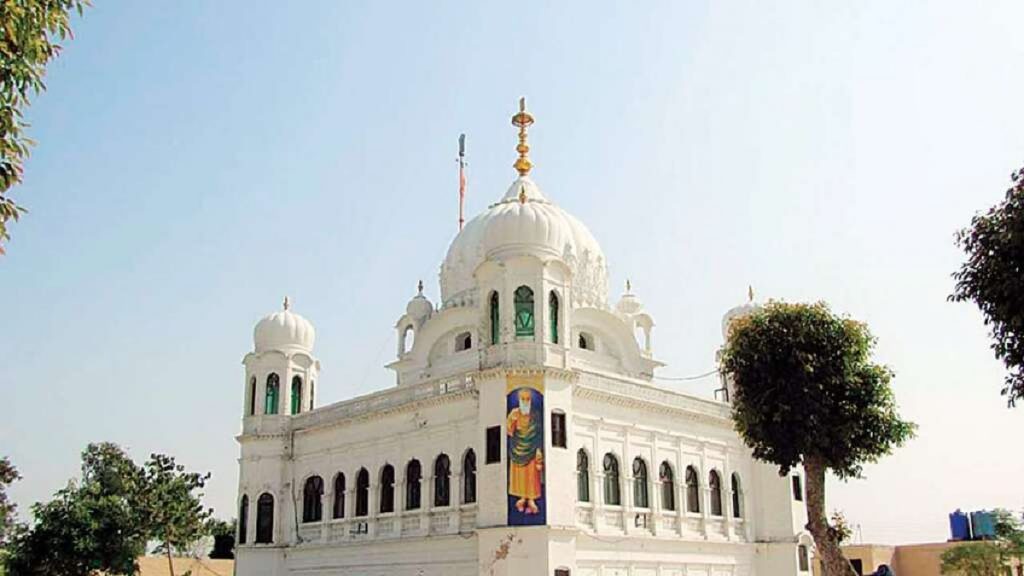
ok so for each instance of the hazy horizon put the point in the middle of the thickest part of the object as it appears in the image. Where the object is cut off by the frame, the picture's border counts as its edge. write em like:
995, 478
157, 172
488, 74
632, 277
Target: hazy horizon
196, 162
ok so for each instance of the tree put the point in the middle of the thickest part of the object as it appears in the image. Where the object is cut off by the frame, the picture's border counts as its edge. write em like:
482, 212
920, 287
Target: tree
172, 504
973, 559
991, 278
807, 392
31, 29
840, 527
103, 523
89, 527
8, 475
1009, 534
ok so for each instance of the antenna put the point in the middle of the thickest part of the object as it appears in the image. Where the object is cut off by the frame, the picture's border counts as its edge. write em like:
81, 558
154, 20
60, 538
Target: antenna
462, 180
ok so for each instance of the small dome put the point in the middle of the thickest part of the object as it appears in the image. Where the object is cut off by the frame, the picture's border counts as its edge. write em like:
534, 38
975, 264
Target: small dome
629, 304
738, 312
524, 221
284, 330
419, 307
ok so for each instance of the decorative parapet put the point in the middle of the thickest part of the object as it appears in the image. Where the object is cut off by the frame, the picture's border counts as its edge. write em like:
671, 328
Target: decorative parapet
392, 399
638, 394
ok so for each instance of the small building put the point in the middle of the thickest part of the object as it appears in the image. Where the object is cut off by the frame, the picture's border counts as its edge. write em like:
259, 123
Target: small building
903, 559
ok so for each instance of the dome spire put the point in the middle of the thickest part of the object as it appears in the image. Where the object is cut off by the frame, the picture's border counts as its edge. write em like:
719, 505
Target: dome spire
287, 303
522, 120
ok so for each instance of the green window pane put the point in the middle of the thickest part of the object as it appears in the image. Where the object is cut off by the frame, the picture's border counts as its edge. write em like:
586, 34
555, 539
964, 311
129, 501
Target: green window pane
296, 395
273, 392
524, 312
495, 319
553, 313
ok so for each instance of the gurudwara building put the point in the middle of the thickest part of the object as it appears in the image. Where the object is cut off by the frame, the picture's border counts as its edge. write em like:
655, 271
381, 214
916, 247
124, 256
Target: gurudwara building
524, 436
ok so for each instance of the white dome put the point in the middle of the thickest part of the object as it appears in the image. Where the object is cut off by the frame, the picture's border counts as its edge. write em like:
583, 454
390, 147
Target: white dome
284, 330
525, 222
735, 313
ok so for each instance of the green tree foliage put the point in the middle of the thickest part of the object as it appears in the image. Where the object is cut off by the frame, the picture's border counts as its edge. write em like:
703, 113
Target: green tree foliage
807, 393
218, 527
172, 504
991, 278
840, 527
973, 559
103, 523
8, 475
29, 34
1009, 534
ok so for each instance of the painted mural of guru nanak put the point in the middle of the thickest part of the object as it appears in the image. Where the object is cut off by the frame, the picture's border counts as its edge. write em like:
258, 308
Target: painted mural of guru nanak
526, 455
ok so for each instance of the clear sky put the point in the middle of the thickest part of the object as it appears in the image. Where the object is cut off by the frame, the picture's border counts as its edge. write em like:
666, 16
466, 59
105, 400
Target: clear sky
198, 161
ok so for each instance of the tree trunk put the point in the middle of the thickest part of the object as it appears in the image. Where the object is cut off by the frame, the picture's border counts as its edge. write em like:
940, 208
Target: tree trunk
170, 563
832, 561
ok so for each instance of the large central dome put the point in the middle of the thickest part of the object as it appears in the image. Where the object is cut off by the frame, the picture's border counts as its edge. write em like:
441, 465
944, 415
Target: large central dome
525, 222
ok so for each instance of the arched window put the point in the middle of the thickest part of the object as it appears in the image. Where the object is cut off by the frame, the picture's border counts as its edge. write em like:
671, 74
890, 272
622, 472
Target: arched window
612, 494
273, 394
252, 396
413, 478
668, 486
442, 481
524, 312
311, 390
362, 492
715, 484
408, 339
737, 510
692, 490
464, 341
495, 318
640, 496
339, 496
243, 518
586, 341
803, 558
312, 499
582, 476
296, 395
469, 477
265, 519
387, 489
553, 313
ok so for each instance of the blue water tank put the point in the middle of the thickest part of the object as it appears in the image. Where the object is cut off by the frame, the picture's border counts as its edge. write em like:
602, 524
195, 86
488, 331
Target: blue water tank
983, 526
959, 526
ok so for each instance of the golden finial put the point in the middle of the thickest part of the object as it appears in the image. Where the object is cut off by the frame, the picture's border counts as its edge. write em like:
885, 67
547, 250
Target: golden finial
522, 193
522, 120
629, 285
419, 287
287, 303
750, 292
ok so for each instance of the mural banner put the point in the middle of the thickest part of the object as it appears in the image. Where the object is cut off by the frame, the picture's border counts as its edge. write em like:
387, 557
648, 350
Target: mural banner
524, 428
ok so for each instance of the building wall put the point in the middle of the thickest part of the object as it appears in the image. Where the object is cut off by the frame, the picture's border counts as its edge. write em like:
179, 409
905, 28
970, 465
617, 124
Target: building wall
904, 560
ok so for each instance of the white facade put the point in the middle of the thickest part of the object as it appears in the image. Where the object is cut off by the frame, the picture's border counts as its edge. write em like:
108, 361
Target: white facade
596, 365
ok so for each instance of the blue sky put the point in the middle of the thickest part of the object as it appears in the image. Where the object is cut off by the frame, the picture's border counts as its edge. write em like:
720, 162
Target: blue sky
197, 161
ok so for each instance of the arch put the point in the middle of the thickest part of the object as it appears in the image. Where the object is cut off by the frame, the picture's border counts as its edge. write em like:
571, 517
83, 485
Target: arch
586, 341
582, 476
668, 486
312, 389
641, 497
273, 394
243, 518
296, 395
413, 479
442, 480
692, 490
524, 318
495, 316
469, 477
612, 490
387, 489
312, 499
737, 499
553, 310
252, 396
715, 486
408, 339
265, 519
464, 341
362, 492
338, 508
